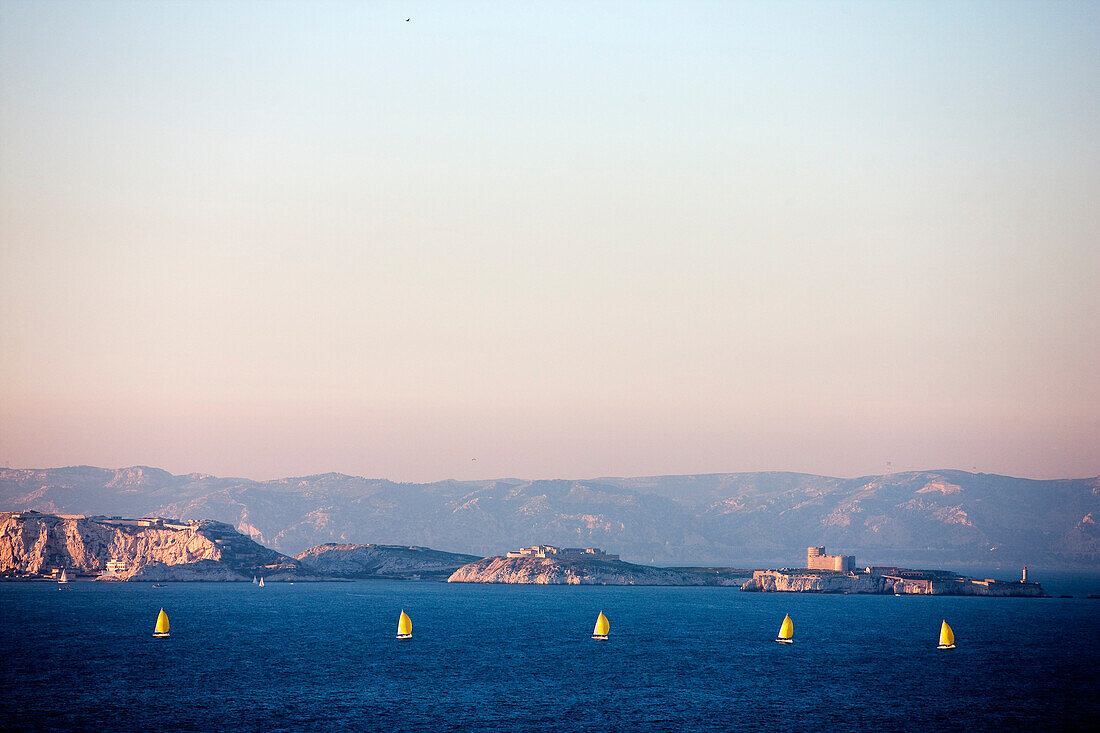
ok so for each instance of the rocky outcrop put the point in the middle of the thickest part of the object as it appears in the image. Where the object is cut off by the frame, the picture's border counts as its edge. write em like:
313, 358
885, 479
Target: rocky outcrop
973, 587
795, 582
939, 583
33, 543
554, 571
382, 561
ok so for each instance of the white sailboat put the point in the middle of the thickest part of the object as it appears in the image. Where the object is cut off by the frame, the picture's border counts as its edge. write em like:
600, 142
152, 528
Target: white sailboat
63, 579
254, 581
603, 626
947, 636
261, 582
786, 631
404, 626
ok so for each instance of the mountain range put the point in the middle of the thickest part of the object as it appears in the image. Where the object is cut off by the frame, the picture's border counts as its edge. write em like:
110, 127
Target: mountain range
941, 518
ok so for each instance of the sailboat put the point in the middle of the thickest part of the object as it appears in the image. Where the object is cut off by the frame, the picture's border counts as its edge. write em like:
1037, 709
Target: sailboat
63, 579
786, 631
261, 582
161, 631
404, 626
947, 637
254, 581
602, 627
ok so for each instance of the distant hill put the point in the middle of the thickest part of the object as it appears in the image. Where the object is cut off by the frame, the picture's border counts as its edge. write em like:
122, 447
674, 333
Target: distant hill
927, 518
382, 561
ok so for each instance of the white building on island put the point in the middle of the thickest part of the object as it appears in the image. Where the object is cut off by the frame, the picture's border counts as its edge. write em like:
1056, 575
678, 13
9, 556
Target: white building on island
544, 551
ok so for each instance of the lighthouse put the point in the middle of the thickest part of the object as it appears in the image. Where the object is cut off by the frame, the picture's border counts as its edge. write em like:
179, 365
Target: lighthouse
1023, 579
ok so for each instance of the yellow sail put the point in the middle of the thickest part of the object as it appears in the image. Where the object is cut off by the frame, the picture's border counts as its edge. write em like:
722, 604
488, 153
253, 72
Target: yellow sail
404, 625
947, 636
162, 624
786, 631
602, 626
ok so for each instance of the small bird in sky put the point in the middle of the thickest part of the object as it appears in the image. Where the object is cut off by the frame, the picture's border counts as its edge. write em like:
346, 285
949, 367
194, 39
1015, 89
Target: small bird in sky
407, 19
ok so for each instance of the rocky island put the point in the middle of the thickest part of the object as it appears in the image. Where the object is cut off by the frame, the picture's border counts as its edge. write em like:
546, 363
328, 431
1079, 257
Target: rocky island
549, 565
837, 574
383, 561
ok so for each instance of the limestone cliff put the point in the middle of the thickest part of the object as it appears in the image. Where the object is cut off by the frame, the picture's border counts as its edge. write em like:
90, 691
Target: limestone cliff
33, 543
554, 571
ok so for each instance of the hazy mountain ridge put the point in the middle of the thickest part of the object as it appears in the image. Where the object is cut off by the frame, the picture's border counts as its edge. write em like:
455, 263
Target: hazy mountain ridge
933, 518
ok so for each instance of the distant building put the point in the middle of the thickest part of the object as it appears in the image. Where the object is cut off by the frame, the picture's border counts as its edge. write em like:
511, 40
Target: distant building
121, 522
116, 566
149, 522
816, 559
28, 514
544, 551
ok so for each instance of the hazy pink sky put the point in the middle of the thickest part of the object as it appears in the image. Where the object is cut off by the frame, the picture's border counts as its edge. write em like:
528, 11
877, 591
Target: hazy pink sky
269, 239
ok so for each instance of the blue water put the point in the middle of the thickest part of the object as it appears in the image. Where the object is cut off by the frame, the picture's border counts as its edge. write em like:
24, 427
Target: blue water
519, 658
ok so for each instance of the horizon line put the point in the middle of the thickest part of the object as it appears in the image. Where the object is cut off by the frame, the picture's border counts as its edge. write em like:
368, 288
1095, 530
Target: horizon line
556, 478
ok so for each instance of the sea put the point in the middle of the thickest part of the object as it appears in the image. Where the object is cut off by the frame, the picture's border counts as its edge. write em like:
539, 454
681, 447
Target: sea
322, 656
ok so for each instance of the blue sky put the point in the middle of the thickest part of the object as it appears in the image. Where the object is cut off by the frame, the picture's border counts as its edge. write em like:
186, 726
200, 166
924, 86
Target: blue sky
563, 239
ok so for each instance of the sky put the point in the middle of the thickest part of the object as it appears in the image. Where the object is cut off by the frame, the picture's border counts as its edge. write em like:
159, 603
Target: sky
550, 239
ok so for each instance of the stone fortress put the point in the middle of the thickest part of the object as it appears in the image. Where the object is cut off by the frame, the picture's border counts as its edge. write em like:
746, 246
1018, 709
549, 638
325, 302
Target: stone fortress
816, 559
562, 553
838, 574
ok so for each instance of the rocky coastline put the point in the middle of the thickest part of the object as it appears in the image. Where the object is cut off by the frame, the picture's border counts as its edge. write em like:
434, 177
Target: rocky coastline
940, 583
556, 571
37, 546
33, 544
